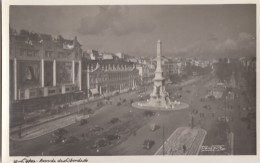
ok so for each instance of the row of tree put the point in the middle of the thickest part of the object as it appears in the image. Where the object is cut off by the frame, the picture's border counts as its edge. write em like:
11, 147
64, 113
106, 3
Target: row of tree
189, 70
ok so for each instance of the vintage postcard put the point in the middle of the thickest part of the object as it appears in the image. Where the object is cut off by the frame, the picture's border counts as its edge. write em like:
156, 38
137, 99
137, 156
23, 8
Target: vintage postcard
138, 81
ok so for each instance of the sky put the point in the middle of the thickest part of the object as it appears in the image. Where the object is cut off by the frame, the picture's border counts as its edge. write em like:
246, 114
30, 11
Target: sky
199, 31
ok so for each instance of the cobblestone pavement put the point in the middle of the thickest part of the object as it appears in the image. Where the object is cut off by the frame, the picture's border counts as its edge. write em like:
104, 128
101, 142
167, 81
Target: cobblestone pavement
192, 139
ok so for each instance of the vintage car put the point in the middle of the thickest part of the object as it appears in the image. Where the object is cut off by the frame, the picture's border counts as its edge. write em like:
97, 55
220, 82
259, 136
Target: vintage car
148, 144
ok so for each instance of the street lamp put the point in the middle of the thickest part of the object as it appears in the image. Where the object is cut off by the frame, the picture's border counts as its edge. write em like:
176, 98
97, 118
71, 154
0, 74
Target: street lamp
84, 100
192, 119
163, 135
163, 140
225, 109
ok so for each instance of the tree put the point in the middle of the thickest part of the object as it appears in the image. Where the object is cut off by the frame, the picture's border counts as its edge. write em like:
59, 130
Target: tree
24, 32
175, 78
223, 70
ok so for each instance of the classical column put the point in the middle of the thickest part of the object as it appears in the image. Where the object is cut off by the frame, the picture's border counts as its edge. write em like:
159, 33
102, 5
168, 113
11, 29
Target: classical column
88, 81
80, 75
54, 72
73, 72
42, 67
100, 90
15, 79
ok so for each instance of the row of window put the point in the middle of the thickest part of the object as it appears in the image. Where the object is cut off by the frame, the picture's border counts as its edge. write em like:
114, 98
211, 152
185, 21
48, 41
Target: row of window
96, 78
48, 54
29, 52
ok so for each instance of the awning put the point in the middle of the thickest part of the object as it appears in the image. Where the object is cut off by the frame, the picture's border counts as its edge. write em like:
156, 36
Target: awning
94, 91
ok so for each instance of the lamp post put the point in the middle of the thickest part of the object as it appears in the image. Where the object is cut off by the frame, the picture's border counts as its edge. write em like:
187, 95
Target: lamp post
163, 140
225, 109
192, 119
163, 136
84, 100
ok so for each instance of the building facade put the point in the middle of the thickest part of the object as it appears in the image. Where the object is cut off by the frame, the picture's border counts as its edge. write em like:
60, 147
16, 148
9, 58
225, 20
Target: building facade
41, 68
146, 73
170, 66
107, 77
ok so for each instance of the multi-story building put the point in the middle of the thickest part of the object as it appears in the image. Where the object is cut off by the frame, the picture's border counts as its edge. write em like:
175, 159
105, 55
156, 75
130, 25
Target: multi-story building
106, 77
170, 66
248, 62
42, 69
146, 71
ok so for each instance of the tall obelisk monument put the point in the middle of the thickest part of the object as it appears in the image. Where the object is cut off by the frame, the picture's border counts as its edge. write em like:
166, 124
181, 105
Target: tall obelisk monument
159, 97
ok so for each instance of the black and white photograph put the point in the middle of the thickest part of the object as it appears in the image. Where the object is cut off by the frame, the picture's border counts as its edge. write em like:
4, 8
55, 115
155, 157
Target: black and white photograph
131, 80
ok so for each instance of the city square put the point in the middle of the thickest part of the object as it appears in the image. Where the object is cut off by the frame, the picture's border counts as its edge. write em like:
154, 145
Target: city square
67, 99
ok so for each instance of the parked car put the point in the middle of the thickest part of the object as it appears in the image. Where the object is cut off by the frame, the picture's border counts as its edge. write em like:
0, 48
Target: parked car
71, 139
83, 121
149, 113
57, 140
59, 132
101, 143
97, 128
114, 120
154, 127
148, 144
112, 137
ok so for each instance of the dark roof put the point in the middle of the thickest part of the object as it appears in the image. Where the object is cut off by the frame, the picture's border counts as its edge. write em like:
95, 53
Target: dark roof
35, 40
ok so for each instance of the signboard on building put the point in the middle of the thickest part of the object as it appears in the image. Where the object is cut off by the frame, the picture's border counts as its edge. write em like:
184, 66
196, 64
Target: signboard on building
28, 74
64, 72
48, 73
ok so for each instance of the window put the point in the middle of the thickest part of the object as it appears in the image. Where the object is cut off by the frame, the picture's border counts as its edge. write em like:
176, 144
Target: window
23, 52
61, 55
51, 91
32, 94
48, 54
31, 53
28, 52
22, 95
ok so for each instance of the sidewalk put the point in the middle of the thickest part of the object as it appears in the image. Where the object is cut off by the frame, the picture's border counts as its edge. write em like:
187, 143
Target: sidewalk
73, 109
51, 123
47, 119
45, 128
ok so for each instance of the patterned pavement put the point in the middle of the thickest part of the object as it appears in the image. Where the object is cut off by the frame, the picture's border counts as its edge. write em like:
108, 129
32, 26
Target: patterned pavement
191, 138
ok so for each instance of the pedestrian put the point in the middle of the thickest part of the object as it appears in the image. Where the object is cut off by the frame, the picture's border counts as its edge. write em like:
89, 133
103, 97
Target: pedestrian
20, 132
171, 152
184, 148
